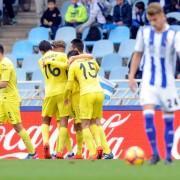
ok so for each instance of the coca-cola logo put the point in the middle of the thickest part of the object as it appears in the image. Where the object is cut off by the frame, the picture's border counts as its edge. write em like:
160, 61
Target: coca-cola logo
13, 147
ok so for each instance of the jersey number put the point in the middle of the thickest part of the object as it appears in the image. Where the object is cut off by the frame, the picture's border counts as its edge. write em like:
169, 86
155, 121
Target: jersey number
91, 70
172, 102
53, 71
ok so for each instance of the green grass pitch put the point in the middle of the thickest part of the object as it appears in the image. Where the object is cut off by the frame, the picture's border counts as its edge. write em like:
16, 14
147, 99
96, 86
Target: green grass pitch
85, 170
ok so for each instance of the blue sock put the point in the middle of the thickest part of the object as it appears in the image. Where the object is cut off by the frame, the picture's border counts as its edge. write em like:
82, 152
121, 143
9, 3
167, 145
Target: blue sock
169, 134
150, 130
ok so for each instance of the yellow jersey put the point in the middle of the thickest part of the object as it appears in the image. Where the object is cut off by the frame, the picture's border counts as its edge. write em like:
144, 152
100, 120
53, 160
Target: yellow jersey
54, 66
8, 74
85, 73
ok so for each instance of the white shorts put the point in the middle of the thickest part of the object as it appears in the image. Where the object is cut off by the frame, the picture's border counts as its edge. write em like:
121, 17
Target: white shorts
167, 98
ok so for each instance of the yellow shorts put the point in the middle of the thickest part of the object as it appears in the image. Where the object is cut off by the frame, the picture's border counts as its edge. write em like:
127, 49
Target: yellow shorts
55, 107
91, 106
9, 111
75, 107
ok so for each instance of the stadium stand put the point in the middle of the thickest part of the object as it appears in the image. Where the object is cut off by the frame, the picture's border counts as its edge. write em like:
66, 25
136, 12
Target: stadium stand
114, 64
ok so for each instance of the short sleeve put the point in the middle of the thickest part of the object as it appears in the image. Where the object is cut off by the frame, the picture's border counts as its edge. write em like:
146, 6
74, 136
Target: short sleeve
6, 72
177, 42
139, 46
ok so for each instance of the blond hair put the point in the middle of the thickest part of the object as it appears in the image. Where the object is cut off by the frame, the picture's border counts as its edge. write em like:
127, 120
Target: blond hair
154, 9
59, 44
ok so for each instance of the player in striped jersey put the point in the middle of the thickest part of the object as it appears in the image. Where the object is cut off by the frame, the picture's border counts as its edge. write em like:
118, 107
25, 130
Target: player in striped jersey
157, 45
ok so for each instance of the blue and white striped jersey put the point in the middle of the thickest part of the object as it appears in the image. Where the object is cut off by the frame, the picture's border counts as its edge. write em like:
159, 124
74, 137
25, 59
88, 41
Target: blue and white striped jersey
159, 50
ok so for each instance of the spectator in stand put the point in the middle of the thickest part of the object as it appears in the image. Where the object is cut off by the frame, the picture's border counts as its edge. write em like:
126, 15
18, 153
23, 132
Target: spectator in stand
173, 6
51, 18
95, 15
10, 12
76, 14
40, 8
140, 18
122, 13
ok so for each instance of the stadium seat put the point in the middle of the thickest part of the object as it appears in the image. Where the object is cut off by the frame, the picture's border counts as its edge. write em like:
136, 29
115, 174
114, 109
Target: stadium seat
102, 48
119, 73
21, 74
175, 27
66, 34
22, 48
37, 75
110, 62
37, 34
84, 35
101, 72
175, 15
127, 48
119, 34
30, 63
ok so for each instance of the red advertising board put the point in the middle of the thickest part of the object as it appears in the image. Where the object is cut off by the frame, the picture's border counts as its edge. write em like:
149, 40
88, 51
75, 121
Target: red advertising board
124, 128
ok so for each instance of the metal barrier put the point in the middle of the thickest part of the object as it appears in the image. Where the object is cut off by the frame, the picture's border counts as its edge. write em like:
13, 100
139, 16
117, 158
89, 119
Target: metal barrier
32, 93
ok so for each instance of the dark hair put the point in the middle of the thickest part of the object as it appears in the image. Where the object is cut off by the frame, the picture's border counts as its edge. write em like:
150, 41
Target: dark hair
1, 49
52, 1
140, 5
78, 44
45, 46
72, 53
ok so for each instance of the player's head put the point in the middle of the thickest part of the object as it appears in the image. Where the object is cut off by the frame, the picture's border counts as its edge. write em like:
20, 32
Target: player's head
77, 44
1, 51
72, 53
45, 46
51, 4
156, 16
59, 46
119, 1
74, 1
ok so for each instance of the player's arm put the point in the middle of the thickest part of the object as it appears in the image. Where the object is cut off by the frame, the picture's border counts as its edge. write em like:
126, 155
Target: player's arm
69, 85
3, 84
136, 59
81, 56
5, 77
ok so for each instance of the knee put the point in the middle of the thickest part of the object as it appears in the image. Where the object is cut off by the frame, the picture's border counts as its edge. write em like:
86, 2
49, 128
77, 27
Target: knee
77, 127
85, 124
18, 127
47, 120
64, 122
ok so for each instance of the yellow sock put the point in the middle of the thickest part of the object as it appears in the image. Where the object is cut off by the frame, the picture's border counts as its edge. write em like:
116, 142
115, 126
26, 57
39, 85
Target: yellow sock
27, 141
57, 144
45, 133
89, 141
96, 134
105, 145
79, 141
68, 143
62, 138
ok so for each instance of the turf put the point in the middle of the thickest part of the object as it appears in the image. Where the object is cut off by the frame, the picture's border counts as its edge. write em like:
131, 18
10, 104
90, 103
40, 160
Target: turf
85, 170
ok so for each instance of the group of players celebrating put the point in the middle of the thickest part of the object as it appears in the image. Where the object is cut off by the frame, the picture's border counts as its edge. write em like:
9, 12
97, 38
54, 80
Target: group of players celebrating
72, 90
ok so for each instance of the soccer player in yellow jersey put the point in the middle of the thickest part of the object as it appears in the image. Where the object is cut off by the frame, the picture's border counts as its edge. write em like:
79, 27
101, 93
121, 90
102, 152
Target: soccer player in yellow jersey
95, 123
60, 46
10, 102
54, 66
91, 100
